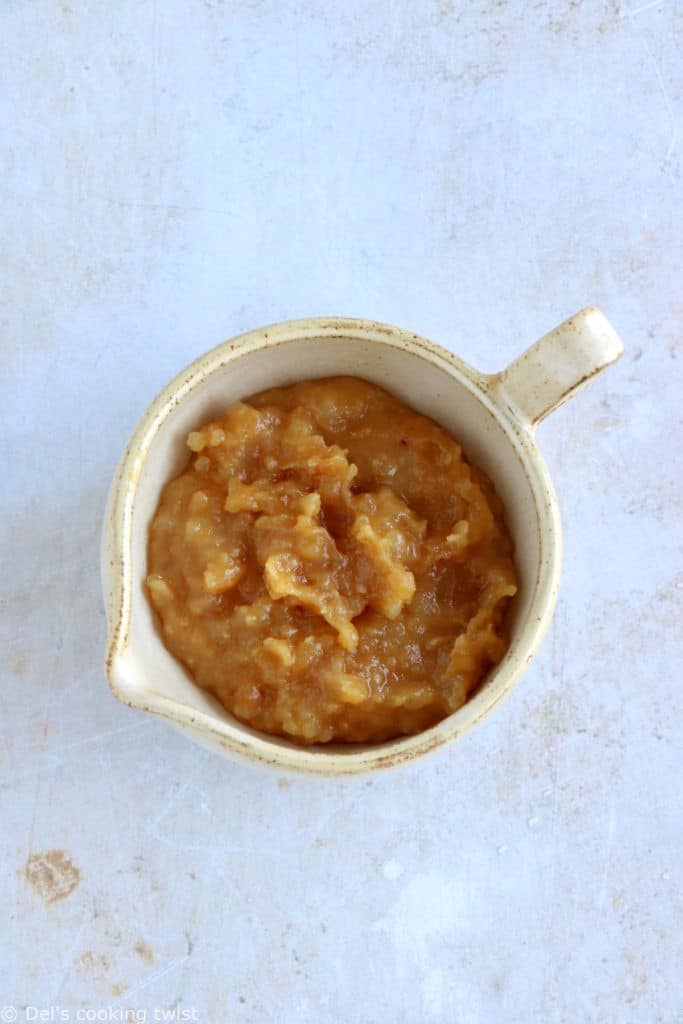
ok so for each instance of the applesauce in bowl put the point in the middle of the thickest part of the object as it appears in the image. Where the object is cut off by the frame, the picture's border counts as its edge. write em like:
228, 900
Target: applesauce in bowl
329, 566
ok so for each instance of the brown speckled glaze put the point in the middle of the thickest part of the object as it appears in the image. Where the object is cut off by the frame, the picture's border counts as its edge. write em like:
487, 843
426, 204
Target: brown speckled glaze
494, 417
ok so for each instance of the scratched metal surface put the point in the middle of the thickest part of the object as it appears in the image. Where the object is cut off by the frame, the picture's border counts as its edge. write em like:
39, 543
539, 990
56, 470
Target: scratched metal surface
176, 172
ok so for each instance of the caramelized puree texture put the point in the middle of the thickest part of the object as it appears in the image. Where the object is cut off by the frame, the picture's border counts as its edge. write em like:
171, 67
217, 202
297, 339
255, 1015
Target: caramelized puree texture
329, 566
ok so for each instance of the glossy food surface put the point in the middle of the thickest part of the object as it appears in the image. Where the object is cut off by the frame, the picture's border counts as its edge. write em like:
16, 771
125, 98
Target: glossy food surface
329, 566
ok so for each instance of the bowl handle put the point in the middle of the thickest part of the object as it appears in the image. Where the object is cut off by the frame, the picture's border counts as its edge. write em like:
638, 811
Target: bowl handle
558, 365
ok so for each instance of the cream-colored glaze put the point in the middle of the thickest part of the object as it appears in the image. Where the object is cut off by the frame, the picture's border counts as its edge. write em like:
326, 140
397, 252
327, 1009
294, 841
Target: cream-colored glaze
492, 416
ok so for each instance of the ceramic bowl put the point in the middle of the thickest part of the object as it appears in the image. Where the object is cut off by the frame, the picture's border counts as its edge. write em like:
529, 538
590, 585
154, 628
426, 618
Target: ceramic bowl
493, 416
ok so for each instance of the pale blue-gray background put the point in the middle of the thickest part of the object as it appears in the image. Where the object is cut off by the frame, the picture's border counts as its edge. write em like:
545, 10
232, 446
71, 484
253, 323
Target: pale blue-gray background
175, 172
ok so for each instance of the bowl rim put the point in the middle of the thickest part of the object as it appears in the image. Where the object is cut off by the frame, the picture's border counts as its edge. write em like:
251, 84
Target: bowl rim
118, 576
